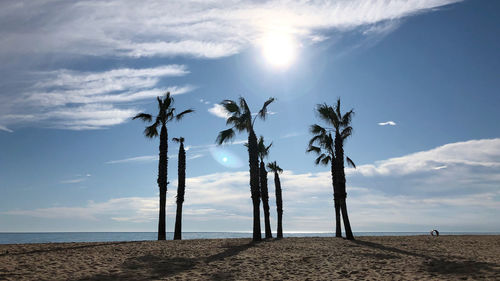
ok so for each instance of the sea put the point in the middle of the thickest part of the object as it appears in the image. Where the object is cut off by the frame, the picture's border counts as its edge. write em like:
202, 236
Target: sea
59, 237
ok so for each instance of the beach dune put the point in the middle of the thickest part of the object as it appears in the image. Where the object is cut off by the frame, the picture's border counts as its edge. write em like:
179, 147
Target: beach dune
367, 258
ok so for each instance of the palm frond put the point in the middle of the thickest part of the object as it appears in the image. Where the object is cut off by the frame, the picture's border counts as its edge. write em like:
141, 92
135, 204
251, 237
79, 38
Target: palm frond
151, 131
314, 149
346, 132
337, 109
346, 119
243, 122
327, 114
168, 100
231, 107
160, 103
326, 160
263, 112
321, 158
317, 129
178, 140
225, 136
180, 115
170, 113
244, 107
274, 167
232, 120
144, 117
262, 148
350, 162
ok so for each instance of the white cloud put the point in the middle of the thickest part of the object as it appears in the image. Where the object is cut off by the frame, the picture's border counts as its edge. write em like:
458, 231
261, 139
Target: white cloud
390, 123
137, 159
90, 100
3, 128
474, 153
223, 199
64, 31
219, 111
290, 135
78, 180
209, 29
195, 156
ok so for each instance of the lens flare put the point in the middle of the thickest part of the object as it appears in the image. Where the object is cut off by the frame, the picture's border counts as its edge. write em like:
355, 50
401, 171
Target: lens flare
226, 158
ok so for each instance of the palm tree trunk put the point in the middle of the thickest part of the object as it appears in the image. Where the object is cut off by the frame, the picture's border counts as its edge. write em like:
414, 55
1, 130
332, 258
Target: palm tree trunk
339, 172
279, 204
347, 224
265, 199
338, 228
181, 188
178, 222
162, 182
254, 183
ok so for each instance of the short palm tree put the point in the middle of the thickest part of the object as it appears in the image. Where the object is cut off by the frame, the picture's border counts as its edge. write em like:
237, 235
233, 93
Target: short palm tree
241, 120
331, 150
263, 153
279, 200
166, 113
181, 187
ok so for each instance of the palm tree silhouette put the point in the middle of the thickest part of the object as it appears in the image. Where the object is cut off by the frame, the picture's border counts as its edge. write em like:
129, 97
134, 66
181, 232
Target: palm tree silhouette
240, 117
181, 187
263, 153
279, 200
331, 150
166, 113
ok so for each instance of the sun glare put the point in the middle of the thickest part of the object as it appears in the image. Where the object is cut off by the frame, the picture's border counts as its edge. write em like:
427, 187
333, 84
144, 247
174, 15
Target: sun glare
279, 49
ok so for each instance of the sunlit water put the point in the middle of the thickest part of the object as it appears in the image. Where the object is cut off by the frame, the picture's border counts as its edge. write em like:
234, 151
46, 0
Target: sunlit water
50, 237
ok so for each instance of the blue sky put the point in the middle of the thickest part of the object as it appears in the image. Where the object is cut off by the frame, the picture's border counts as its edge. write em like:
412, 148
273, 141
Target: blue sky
422, 77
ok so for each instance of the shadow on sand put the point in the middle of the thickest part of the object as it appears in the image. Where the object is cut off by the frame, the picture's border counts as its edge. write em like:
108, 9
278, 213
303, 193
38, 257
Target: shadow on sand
151, 267
62, 248
451, 265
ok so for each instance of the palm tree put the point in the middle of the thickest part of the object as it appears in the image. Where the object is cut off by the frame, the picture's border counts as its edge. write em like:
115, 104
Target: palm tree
166, 113
334, 148
240, 117
279, 200
181, 187
263, 153
326, 152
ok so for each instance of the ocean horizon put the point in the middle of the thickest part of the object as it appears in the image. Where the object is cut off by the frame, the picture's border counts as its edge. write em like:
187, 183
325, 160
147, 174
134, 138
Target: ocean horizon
64, 237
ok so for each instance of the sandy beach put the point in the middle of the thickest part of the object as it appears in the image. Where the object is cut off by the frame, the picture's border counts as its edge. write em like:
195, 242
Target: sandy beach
367, 258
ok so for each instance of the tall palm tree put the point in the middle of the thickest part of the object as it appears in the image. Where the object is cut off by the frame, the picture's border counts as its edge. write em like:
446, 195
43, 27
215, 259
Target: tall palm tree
340, 125
326, 153
241, 120
181, 187
166, 113
279, 200
263, 153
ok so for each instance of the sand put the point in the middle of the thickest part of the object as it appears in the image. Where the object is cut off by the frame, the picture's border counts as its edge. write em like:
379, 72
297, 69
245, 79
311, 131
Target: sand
367, 258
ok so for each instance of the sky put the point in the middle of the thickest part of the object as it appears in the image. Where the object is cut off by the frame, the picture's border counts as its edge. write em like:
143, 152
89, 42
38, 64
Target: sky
422, 77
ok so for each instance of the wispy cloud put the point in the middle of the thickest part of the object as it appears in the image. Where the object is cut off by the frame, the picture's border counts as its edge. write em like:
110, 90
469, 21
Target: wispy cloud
137, 159
208, 29
290, 135
224, 198
77, 179
73, 180
219, 111
3, 128
63, 31
90, 100
473, 153
388, 123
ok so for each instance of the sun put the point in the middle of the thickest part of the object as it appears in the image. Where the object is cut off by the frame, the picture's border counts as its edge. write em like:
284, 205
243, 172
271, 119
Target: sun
279, 49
